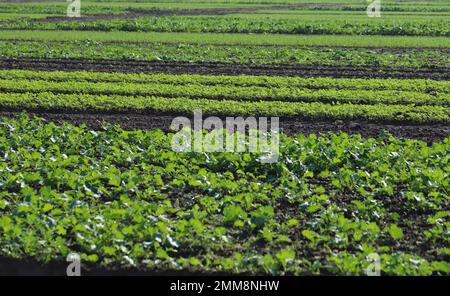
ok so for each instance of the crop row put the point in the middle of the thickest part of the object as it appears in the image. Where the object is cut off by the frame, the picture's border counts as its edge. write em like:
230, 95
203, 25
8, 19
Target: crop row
55, 9
314, 110
126, 199
342, 9
94, 8
91, 7
226, 54
248, 25
227, 92
412, 85
228, 39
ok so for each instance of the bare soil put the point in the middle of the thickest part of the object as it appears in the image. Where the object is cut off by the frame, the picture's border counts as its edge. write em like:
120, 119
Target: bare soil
136, 12
130, 66
290, 126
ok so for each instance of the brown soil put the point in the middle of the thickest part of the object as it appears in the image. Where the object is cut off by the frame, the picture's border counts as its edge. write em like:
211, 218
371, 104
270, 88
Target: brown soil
124, 66
30, 267
143, 13
290, 126
134, 13
373, 49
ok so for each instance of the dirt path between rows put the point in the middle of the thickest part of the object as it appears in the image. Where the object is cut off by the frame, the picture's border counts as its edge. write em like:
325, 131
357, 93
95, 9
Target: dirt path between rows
123, 66
137, 12
30, 267
131, 121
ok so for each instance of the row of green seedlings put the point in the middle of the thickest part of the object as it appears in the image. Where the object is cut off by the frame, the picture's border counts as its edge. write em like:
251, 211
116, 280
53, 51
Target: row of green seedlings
403, 27
239, 93
417, 85
305, 110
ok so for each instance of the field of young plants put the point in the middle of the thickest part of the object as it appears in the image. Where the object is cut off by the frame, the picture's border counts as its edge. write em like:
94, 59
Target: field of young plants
88, 166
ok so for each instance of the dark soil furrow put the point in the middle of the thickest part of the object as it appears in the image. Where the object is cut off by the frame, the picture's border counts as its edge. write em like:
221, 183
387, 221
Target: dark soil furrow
373, 49
442, 73
290, 126
136, 12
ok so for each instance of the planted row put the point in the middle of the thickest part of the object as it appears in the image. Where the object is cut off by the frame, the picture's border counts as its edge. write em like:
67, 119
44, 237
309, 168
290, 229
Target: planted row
413, 85
127, 200
219, 92
116, 103
230, 54
242, 24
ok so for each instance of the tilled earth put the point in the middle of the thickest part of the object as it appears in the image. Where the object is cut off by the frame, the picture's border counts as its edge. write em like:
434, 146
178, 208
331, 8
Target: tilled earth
290, 126
442, 73
136, 12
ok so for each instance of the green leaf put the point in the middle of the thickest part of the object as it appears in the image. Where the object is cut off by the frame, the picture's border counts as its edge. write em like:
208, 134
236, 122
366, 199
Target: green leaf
309, 234
285, 257
395, 231
262, 215
47, 207
5, 223
92, 258
232, 213
194, 261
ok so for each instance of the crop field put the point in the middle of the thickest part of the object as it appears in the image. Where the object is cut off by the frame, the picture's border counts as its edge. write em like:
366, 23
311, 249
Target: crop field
88, 164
